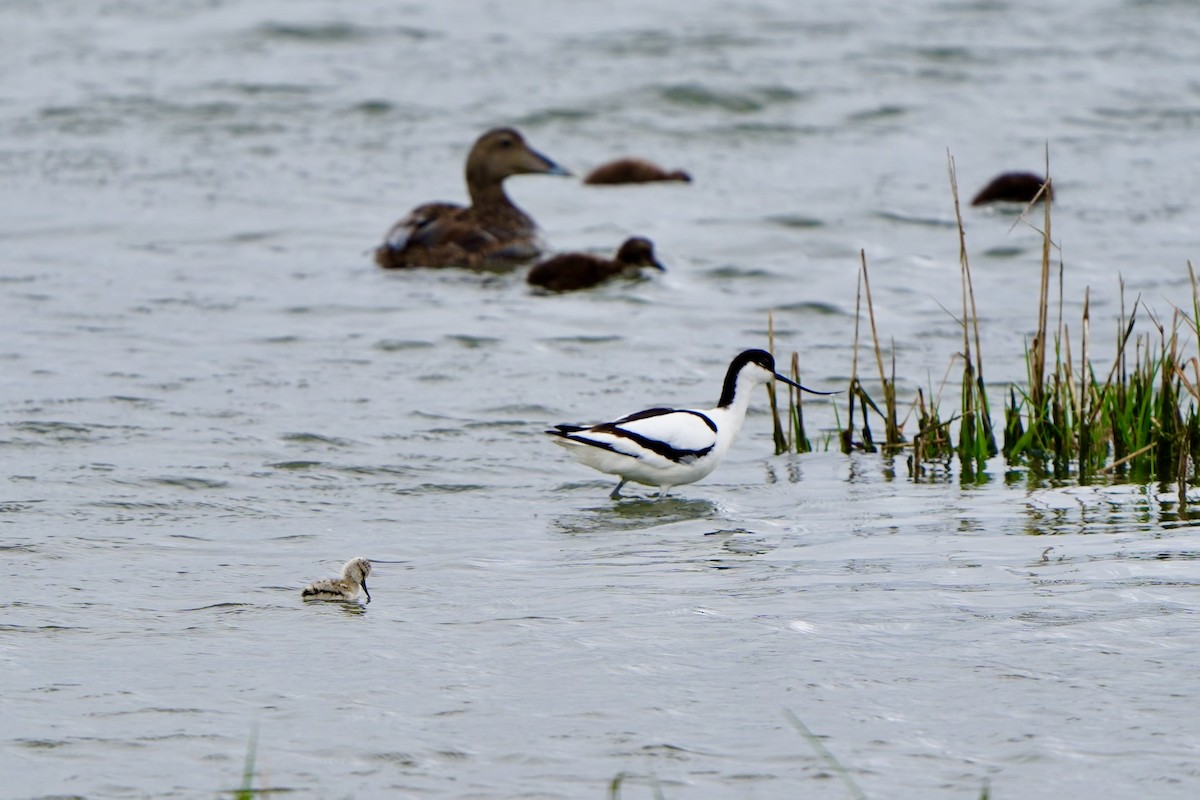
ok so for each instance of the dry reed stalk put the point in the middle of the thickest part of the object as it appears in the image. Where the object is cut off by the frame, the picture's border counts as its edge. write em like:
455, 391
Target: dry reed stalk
781, 445
1185, 438
1193, 387
1182, 486
1123, 461
1187, 382
847, 435
796, 418
1038, 364
1044, 409
915, 468
1124, 333
1170, 421
892, 437
1086, 387
977, 439
932, 439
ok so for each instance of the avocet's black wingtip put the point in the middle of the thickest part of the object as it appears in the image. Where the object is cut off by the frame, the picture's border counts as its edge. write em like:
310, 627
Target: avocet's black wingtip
566, 430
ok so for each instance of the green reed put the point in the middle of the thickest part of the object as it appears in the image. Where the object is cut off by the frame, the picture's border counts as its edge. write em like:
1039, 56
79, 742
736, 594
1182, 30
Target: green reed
846, 435
823, 752
796, 436
796, 433
1136, 419
858, 401
247, 790
1138, 423
977, 439
781, 441
614, 787
932, 445
838, 768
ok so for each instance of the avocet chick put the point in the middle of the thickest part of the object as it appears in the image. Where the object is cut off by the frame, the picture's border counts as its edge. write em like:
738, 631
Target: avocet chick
343, 589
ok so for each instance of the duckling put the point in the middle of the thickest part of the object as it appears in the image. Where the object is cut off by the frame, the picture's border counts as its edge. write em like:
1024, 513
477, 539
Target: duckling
633, 170
343, 589
570, 271
1013, 187
489, 230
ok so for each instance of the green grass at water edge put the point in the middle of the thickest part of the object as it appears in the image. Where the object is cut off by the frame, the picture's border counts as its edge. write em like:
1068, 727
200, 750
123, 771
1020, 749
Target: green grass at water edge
1140, 423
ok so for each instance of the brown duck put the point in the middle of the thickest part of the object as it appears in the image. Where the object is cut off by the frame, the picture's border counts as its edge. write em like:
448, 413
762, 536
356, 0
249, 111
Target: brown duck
1013, 187
633, 170
489, 231
571, 271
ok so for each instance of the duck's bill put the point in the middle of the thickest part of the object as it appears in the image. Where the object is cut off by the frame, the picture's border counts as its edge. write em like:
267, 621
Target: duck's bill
658, 266
548, 167
791, 382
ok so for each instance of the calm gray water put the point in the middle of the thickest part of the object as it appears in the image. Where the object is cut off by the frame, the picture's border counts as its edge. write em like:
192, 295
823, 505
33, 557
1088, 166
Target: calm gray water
210, 397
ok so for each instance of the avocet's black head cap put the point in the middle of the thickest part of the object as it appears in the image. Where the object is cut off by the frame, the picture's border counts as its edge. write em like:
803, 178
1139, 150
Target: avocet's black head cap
762, 359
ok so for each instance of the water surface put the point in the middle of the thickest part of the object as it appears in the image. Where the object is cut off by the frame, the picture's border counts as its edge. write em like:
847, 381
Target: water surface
211, 396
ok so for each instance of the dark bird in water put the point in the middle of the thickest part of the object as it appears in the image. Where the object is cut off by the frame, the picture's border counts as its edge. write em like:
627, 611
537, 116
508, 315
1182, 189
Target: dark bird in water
633, 170
490, 231
1013, 187
570, 271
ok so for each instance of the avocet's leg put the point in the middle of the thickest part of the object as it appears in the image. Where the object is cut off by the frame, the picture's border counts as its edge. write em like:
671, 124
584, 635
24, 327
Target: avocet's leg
616, 493
662, 492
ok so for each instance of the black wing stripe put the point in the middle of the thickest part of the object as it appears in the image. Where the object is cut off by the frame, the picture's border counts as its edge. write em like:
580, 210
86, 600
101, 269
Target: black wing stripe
647, 414
661, 448
654, 445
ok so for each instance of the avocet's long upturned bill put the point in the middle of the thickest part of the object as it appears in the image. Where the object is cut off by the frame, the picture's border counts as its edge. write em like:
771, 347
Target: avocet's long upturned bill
667, 447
